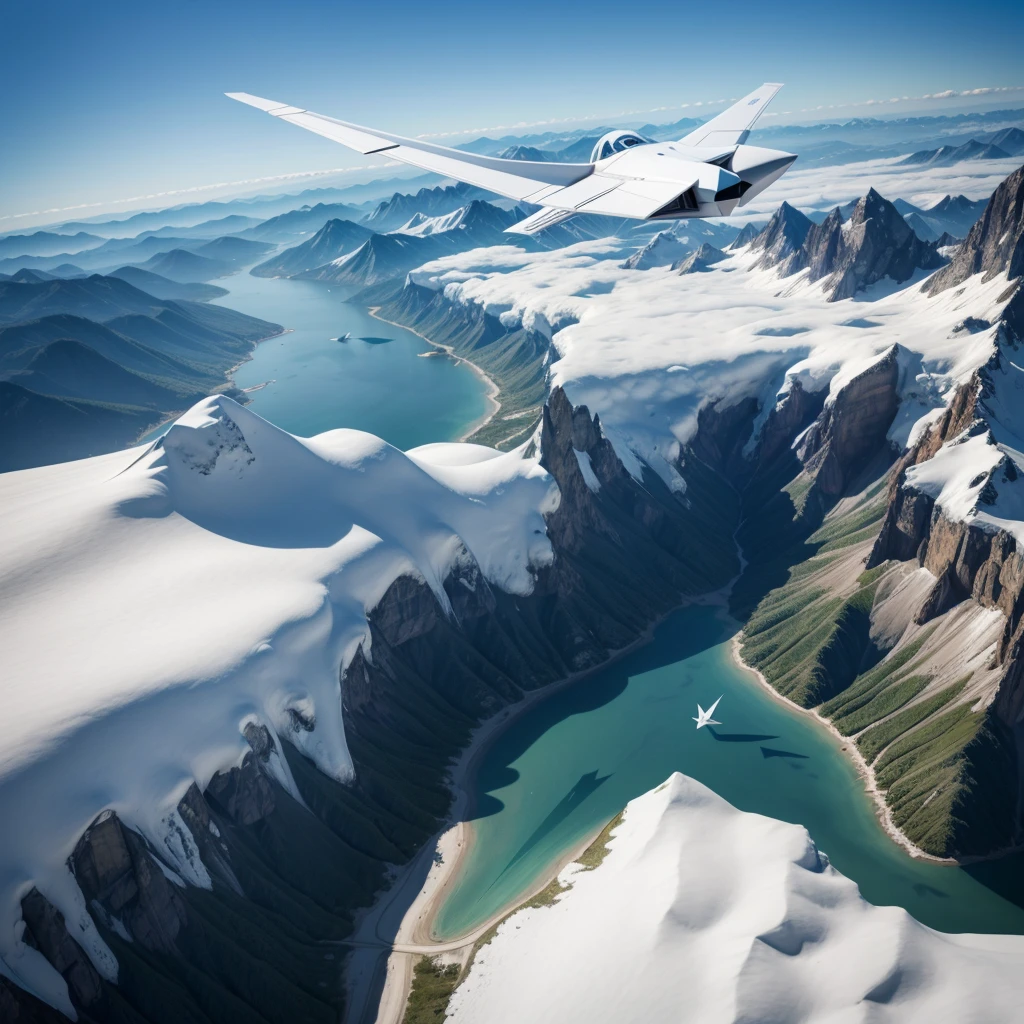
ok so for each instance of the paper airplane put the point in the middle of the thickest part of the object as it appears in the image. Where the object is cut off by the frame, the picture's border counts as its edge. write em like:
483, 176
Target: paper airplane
704, 717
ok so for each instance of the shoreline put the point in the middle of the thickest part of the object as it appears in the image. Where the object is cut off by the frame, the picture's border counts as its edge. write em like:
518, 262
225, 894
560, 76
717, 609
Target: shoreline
493, 391
228, 380
414, 935
849, 747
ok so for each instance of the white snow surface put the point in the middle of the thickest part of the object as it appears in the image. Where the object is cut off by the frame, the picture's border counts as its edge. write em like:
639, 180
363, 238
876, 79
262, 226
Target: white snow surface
956, 476
155, 601
702, 912
647, 348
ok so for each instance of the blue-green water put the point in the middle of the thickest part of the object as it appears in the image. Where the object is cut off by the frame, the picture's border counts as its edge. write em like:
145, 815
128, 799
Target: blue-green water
382, 385
574, 760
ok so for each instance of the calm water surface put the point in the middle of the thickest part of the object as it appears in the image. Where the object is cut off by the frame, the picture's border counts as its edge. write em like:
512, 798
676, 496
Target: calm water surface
383, 385
573, 761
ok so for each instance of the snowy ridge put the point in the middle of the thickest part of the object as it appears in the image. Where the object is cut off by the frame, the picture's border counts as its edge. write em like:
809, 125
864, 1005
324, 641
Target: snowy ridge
736, 918
155, 602
647, 350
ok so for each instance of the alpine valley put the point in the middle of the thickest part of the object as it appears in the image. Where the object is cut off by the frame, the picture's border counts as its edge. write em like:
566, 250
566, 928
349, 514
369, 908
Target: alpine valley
260, 690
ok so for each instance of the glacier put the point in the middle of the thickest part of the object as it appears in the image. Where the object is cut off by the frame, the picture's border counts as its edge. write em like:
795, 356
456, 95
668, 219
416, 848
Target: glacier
156, 602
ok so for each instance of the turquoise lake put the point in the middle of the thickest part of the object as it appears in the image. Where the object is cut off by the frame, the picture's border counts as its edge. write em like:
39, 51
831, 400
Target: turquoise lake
573, 761
385, 385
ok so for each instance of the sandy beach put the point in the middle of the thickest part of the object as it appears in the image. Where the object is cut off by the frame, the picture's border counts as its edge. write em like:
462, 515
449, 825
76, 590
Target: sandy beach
422, 885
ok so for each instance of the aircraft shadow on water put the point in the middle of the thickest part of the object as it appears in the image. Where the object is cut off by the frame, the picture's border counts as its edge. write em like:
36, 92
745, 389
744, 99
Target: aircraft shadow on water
587, 784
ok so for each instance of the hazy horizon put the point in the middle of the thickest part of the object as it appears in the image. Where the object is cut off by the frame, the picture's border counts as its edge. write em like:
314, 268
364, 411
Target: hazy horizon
121, 102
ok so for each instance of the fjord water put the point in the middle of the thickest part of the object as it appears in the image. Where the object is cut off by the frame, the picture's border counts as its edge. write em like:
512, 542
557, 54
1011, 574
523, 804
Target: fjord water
572, 761
382, 386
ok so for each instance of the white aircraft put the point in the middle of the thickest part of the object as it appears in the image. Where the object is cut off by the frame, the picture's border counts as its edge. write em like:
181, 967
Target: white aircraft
706, 174
704, 717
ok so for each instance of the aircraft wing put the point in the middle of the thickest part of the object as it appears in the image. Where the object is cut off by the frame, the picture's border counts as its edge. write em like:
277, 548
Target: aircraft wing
526, 180
731, 127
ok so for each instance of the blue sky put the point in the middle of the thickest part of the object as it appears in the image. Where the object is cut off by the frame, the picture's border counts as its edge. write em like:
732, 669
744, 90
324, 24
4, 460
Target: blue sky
108, 101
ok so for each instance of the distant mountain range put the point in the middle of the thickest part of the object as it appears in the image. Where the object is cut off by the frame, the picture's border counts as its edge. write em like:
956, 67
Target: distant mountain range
165, 288
301, 223
336, 238
672, 245
46, 243
227, 251
954, 215
385, 256
397, 211
946, 156
87, 364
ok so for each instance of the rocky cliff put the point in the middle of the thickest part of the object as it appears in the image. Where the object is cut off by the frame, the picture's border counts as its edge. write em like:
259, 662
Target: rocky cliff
848, 256
902, 619
280, 874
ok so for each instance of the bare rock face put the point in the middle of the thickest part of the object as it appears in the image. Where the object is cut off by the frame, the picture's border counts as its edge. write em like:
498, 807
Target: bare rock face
747, 234
782, 237
46, 931
851, 428
877, 242
994, 244
244, 793
114, 868
822, 249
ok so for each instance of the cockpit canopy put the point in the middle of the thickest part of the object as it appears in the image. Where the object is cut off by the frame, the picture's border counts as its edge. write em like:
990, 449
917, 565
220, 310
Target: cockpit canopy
615, 142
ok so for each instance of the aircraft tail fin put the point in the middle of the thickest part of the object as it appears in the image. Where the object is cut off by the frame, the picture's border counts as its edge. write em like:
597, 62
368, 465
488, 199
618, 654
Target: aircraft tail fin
732, 126
545, 217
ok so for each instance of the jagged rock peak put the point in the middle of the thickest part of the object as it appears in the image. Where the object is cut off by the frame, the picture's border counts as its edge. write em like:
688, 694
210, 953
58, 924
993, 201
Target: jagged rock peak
995, 243
747, 234
876, 243
783, 235
700, 260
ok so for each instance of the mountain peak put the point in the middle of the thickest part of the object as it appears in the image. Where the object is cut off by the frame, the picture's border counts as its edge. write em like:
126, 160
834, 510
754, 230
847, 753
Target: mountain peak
995, 244
783, 235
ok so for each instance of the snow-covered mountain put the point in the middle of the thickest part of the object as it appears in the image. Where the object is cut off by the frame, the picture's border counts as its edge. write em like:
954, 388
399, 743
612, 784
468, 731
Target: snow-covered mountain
670, 246
265, 554
703, 912
432, 202
699, 260
849, 255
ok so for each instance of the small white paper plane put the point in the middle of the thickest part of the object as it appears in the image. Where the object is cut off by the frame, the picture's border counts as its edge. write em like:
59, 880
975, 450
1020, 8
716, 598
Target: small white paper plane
704, 717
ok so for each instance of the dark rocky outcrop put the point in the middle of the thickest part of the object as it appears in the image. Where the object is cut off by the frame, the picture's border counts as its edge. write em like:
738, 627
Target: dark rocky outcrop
852, 427
45, 931
116, 871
